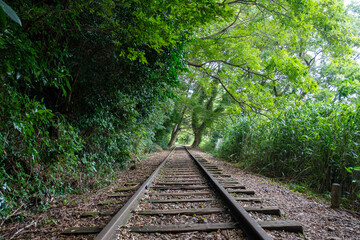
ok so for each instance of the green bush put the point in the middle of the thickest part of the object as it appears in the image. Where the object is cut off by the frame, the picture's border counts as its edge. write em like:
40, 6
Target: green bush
81, 94
38, 152
236, 140
312, 143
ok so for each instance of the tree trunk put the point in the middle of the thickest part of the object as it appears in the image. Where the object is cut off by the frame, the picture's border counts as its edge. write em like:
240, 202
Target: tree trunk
177, 128
174, 135
197, 137
197, 140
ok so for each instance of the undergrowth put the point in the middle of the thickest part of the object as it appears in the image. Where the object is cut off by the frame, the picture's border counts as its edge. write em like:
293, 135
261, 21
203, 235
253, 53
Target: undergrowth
312, 145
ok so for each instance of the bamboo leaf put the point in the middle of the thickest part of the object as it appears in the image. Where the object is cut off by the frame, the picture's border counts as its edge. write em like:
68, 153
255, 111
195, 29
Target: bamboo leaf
8, 10
2, 20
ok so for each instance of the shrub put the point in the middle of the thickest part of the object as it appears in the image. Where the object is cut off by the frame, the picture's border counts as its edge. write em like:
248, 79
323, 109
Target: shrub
313, 143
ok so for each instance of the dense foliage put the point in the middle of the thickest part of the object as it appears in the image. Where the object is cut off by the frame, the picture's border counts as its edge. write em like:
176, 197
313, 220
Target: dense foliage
88, 85
291, 70
85, 86
316, 144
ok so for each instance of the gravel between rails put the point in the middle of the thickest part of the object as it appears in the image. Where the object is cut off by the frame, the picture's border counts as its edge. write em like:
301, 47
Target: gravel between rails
318, 219
141, 220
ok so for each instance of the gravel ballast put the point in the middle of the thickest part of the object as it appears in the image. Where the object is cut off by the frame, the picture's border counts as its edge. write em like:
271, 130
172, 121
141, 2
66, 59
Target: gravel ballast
318, 219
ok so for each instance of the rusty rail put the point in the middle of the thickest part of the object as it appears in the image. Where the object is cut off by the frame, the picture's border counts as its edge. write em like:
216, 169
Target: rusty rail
109, 231
251, 228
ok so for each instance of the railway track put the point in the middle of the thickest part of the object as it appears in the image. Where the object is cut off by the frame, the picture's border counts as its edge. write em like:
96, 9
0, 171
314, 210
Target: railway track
187, 197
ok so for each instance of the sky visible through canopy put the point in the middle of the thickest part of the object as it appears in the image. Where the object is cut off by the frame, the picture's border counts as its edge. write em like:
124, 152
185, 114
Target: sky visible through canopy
346, 2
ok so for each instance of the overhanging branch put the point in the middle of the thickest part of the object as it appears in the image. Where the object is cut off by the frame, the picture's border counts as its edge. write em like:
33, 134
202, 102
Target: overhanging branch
224, 30
240, 102
230, 64
237, 1
255, 3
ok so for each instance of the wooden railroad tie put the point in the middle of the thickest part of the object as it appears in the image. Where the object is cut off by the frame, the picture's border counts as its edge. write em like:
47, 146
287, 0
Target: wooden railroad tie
283, 225
126, 189
221, 175
241, 187
182, 193
94, 214
175, 187
176, 200
198, 211
187, 178
204, 211
180, 176
180, 183
171, 179
242, 191
288, 225
104, 203
183, 227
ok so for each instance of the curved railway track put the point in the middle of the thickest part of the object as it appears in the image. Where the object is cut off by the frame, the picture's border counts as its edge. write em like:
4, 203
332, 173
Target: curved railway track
188, 198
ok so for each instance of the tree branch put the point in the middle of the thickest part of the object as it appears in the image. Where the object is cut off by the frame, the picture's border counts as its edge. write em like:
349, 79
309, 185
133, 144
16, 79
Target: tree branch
224, 30
230, 64
255, 3
241, 103
237, 1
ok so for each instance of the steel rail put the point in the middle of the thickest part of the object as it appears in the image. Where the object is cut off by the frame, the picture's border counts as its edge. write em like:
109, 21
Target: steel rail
109, 231
251, 228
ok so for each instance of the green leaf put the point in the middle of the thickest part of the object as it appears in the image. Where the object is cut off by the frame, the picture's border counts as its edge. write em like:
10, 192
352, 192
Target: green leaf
8, 10
68, 84
63, 89
2, 20
356, 168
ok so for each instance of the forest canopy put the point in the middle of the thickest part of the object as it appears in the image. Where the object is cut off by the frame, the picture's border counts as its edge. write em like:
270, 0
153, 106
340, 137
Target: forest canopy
87, 86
